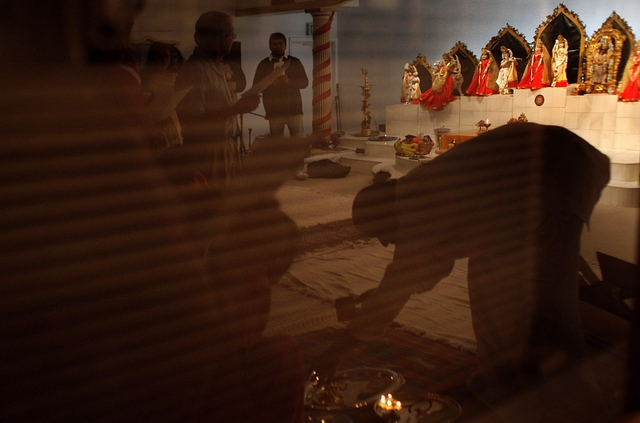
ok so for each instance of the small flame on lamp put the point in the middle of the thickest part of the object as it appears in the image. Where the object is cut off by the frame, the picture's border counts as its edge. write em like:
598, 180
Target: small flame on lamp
387, 402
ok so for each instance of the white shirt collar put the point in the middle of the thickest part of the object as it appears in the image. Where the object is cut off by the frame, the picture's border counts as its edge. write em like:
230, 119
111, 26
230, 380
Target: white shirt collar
271, 58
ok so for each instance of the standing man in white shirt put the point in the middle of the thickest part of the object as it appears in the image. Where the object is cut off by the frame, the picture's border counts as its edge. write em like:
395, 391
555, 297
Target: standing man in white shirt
282, 99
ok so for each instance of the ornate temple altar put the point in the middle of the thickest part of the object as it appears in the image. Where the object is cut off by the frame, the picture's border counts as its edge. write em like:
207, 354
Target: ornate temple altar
589, 105
610, 125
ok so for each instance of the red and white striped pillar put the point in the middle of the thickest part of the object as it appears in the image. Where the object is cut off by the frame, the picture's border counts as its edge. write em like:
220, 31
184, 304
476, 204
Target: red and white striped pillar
322, 73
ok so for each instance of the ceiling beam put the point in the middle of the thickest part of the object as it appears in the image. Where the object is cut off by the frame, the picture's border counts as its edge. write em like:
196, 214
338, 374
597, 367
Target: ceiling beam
290, 6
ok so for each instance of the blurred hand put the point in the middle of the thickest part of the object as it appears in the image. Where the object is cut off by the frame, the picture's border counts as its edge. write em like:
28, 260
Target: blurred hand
326, 366
282, 79
247, 104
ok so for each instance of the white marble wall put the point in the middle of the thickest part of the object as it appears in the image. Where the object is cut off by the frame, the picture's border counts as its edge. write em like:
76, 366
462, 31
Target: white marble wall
611, 126
599, 118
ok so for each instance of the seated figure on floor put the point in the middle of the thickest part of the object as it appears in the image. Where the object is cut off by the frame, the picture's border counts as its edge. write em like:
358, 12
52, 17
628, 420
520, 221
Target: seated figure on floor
514, 201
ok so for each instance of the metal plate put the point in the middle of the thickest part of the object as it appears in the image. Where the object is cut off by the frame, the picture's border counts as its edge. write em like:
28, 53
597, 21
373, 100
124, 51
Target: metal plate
320, 416
426, 407
353, 388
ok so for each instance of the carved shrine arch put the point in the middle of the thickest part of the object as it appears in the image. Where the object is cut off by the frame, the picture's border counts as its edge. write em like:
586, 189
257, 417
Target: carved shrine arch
566, 23
615, 39
425, 73
628, 45
514, 40
468, 62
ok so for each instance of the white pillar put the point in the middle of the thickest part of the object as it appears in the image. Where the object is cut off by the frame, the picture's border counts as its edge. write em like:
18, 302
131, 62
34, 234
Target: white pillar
322, 72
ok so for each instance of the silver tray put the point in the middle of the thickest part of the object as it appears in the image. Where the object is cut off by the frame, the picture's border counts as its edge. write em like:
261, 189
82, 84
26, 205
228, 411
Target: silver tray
353, 388
426, 407
320, 416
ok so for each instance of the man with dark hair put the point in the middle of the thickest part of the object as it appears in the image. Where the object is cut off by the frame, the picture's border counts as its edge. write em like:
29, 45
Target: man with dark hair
514, 201
282, 99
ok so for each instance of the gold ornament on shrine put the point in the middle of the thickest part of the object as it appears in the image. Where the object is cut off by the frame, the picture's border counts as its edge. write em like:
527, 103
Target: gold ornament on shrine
365, 127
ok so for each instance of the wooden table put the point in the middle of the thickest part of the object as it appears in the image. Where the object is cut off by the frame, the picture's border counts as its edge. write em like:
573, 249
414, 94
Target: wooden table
459, 138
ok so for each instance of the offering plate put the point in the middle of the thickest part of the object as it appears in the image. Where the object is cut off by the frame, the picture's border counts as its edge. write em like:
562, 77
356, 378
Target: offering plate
319, 416
426, 407
353, 388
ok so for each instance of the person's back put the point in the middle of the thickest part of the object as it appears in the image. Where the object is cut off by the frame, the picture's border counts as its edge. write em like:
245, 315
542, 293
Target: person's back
209, 111
157, 78
514, 201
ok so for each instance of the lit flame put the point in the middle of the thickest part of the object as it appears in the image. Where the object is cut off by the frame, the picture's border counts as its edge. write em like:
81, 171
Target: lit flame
387, 402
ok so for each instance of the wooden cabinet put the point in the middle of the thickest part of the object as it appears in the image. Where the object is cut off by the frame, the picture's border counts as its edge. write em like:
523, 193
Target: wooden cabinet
459, 137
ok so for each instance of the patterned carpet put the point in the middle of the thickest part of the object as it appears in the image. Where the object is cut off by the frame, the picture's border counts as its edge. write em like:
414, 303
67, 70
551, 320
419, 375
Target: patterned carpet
426, 365
329, 235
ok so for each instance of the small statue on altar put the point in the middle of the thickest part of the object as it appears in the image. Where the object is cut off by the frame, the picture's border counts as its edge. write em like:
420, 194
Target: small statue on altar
441, 92
559, 58
415, 87
410, 84
456, 72
630, 83
601, 66
538, 72
485, 76
508, 73
521, 119
365, 128
406, 81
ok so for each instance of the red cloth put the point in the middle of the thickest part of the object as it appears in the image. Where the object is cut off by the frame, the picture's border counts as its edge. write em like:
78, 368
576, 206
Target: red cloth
534, 76
631, 91
435, 100
478, 85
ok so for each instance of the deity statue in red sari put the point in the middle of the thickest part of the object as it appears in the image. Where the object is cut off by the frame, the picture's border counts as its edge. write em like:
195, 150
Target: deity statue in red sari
441, 92
484, 81
538, 72
630, 83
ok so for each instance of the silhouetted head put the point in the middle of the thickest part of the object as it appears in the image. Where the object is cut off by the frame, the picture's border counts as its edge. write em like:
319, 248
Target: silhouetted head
214, 33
